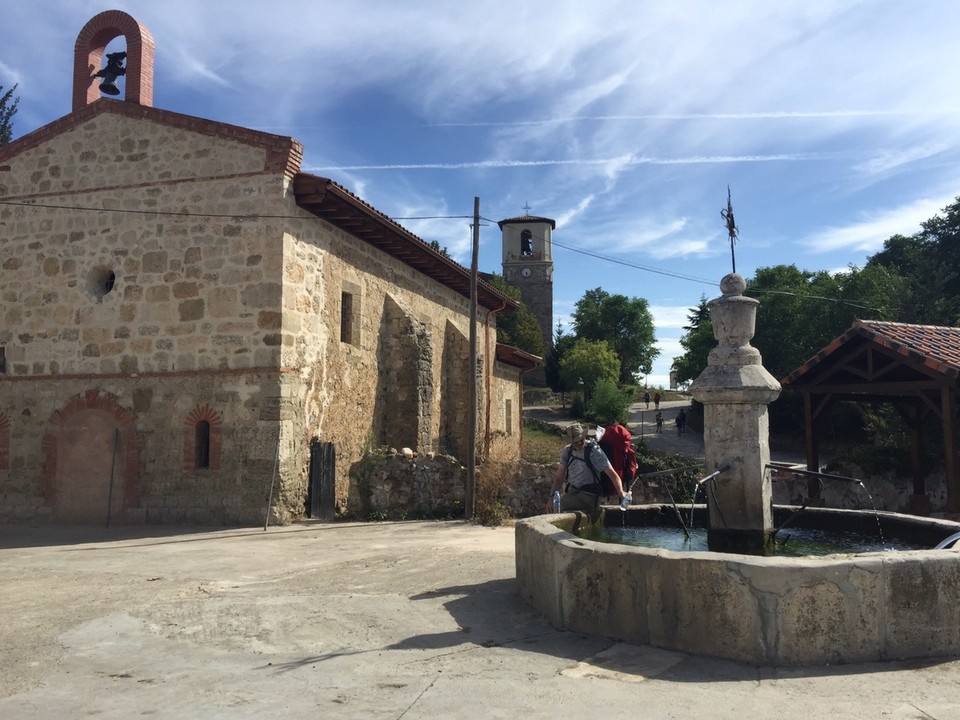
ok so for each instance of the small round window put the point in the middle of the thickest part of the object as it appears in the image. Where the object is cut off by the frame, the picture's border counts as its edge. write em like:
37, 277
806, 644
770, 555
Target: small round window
100, 281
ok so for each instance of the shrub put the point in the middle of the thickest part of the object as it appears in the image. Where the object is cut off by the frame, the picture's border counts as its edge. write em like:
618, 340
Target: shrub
609, 402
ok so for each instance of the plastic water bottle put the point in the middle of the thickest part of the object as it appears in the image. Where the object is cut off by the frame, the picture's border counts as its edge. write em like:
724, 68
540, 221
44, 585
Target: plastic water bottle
556, 501
627, 499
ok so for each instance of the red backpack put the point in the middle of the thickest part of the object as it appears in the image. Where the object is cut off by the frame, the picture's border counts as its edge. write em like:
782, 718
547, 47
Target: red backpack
616, 444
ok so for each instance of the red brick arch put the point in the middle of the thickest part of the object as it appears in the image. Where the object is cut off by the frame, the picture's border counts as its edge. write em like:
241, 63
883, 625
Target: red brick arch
197, 415
88, 58
108, 411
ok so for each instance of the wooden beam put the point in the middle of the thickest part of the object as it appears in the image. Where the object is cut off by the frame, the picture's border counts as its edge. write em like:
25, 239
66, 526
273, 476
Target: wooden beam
948, 402
878, 390
811, 441
915, 416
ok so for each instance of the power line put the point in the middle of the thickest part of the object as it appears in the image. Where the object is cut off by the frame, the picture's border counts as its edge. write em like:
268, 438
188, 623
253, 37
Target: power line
812, 297
170, 213
184, 213
255, 217
626, 263
692, 278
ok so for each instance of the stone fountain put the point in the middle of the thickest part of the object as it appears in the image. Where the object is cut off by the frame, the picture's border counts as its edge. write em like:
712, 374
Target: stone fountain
735, 390
735, 601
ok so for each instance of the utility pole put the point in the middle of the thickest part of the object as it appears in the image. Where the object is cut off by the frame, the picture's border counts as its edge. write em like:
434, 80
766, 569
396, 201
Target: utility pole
471, 489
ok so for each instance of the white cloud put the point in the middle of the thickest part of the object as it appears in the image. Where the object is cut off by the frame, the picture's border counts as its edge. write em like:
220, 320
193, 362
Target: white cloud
869, 233
670, 316
886, 161
669, 348
8, 75
194, 71
567, 217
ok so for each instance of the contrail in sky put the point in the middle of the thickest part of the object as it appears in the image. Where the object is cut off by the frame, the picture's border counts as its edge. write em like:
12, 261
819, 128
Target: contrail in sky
768, 115
495, 164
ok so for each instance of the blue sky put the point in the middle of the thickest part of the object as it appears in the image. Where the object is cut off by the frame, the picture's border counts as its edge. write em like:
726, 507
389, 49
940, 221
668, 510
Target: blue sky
835, 124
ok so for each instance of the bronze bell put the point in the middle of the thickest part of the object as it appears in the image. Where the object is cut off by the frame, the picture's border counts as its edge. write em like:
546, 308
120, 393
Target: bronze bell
111, 72
109, 85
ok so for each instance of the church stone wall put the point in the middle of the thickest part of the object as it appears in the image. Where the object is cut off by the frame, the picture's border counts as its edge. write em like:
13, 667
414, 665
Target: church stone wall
170, 316
390, 385
217, 312
124, 292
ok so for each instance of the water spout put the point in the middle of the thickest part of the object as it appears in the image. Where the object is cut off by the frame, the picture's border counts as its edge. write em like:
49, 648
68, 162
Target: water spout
701, 481
820, 477
663, 473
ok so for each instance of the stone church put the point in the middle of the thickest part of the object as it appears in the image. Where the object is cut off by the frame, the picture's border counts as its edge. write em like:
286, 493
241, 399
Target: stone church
191, 326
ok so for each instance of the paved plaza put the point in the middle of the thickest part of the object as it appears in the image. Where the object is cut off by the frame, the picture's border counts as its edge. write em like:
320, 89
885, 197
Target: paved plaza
381, 620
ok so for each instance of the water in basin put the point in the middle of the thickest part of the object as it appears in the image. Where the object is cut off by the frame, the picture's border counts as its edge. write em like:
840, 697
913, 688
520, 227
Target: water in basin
797, 542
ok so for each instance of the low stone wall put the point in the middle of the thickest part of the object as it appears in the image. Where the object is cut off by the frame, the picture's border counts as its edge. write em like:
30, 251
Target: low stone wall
760, 610
880, 491
404, 484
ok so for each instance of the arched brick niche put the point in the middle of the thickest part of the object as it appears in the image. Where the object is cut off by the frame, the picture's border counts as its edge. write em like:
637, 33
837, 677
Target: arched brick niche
88, 58
91, 459
4, 442
201, 439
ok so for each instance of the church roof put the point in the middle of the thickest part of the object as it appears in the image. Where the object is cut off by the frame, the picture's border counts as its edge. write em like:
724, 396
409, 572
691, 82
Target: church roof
284, 154
516, 357
932, 350
528, 219
340, 207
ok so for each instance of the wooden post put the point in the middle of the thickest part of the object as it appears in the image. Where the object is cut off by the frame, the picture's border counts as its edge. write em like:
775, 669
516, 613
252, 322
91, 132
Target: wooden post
948, 401
471, 489
813, 451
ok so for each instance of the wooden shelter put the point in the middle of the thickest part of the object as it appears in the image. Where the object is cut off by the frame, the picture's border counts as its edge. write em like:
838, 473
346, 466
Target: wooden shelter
914, 367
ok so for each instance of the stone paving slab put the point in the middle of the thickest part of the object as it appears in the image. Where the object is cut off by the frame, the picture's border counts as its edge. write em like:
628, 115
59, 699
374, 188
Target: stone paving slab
383, 620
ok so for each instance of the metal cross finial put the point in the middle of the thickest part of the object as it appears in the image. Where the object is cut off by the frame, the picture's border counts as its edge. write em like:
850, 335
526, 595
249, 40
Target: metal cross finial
526, 208
732, 229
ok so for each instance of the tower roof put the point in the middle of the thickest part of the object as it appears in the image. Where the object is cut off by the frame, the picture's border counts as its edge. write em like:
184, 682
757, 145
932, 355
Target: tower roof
528, 219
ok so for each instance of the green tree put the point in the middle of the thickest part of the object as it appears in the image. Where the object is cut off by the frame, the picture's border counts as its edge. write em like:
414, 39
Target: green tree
517, 327
801, 311
8, 108
551, 368
610, 403
927, 264
442, 250
625, 324
587, 363
697, 342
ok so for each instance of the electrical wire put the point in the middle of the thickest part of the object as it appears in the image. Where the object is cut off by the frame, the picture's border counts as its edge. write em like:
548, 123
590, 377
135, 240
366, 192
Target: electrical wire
692, 278
599, 256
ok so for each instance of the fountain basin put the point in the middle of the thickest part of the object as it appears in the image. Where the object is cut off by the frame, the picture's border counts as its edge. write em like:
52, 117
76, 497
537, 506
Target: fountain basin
781, 611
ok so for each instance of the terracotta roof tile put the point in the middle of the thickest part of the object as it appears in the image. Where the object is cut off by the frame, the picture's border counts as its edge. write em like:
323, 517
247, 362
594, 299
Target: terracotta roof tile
934, 346
937, 347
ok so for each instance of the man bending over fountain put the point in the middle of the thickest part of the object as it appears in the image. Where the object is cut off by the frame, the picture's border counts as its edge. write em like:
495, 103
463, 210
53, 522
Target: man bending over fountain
583, 466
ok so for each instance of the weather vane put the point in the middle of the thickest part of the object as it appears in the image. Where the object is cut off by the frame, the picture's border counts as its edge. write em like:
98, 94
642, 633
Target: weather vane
732, 229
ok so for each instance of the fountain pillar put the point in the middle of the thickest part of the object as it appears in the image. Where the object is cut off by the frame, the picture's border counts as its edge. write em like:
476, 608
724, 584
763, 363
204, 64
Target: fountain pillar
735, 390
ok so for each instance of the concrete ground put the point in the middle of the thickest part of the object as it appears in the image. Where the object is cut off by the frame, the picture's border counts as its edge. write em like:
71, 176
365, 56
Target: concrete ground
383, 620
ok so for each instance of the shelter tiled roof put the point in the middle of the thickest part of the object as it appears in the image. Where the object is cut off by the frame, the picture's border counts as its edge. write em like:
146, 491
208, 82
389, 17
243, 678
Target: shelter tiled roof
933, 347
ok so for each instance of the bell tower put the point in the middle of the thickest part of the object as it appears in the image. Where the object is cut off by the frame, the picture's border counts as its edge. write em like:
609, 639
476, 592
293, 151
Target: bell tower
88, 55
528, 266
